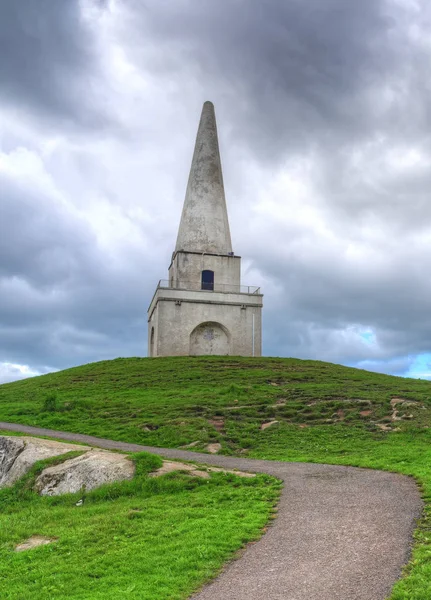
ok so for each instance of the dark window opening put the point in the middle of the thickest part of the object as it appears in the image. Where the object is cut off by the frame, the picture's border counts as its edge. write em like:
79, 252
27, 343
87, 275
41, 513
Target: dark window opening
152, 342
207, 280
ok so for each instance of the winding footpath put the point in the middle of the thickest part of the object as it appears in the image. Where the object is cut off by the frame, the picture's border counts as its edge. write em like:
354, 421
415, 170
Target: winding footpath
341, 533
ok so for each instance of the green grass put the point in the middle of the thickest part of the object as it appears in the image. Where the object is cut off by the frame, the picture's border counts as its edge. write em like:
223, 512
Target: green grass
325, 413
146, 539
171, 402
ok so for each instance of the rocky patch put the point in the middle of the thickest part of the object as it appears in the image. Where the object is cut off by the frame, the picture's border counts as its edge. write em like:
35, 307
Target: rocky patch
18, 455
33, 542
217, 423
213, 448
170, 466
89, 471
266, 425
403, 404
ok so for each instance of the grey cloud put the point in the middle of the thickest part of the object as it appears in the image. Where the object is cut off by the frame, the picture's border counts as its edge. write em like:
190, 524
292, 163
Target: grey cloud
62, 301
291, 74
335, 84
49, 62
321, 299
40, 239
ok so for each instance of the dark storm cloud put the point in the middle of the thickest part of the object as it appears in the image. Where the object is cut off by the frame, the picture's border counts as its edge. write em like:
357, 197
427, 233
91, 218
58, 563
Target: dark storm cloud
49, 62
294, 73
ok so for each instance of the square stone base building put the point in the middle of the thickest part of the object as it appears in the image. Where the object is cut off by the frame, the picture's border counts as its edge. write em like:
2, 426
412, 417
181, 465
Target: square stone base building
203, 308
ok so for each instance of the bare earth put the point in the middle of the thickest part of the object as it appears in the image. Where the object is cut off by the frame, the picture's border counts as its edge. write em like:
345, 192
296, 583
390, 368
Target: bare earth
341, 533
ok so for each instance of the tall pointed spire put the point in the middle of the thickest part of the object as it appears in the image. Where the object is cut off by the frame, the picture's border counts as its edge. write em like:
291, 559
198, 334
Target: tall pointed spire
204, 223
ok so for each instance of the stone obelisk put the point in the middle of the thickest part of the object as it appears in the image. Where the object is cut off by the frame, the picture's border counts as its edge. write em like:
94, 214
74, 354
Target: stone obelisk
204, 225
202, 308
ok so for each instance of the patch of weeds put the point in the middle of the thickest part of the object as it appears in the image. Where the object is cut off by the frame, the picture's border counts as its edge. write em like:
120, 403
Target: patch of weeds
50, 403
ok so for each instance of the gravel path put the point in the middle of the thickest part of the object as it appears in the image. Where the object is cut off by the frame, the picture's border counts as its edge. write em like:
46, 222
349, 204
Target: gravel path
341, 533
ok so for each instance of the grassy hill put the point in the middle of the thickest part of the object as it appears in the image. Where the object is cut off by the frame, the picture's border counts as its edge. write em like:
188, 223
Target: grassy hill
271, 408
172, 402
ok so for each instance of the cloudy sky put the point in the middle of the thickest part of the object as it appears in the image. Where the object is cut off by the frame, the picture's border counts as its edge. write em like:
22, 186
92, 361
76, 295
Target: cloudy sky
324, 117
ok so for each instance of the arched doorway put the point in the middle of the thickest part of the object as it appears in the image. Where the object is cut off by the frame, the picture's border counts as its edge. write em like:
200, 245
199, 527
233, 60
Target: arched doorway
209, 338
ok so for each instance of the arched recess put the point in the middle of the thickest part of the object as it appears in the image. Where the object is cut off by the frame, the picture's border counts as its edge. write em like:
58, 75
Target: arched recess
209, 338
152, 342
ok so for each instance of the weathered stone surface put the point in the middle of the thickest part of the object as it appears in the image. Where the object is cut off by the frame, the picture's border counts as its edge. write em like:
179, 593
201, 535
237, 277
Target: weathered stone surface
18, 455
169, 466
196, 311
10, 449
204, 223
213, 448
266, 425
91, 470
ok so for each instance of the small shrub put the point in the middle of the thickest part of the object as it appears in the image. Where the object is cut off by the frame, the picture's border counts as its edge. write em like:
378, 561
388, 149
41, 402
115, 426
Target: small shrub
233, 390
50, 403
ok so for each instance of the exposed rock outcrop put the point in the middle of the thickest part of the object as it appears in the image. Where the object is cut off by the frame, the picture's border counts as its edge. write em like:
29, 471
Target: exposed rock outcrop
90, 470
18, 455
213, 448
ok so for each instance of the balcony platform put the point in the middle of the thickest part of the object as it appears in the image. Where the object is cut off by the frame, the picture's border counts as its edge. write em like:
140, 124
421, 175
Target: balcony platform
241, 295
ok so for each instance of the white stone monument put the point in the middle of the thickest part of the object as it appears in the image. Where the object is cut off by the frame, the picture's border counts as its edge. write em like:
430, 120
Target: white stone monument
203, 308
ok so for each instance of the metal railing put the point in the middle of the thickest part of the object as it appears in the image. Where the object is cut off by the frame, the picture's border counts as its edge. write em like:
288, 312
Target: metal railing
217, 287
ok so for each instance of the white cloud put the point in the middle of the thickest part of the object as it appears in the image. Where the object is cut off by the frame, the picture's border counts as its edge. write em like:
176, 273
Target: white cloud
10, 372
